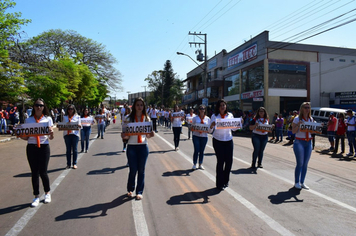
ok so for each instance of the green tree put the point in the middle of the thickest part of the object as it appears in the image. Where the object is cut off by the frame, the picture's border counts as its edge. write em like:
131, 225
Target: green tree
11, 80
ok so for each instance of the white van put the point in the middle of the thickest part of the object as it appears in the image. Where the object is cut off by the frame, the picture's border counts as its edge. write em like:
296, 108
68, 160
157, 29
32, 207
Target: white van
321, 114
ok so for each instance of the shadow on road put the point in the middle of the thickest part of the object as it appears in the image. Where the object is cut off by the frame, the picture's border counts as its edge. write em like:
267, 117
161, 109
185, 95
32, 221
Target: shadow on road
97, 210
245, 171
162, 151
11, 209
193, 197
178, 173
283, 197
29, 174
108, 153
106, 171
59, 155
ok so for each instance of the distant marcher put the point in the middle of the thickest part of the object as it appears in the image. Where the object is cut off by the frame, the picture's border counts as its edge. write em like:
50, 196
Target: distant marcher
176, 127
153, 116
302, 146
127, 113
101, 123
274, 118
86, 129
340, 133
259, 138
189, 119
71, 137
38, 152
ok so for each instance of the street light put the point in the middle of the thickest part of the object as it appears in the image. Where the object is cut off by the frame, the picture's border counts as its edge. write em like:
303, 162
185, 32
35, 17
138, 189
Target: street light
204, 71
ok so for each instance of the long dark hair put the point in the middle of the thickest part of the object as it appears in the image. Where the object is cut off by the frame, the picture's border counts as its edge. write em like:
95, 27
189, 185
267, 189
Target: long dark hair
82, 115
217, 107
257, 116
133, 112
45, 110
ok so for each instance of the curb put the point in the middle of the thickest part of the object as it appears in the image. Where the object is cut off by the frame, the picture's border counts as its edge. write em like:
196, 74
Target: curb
5, 140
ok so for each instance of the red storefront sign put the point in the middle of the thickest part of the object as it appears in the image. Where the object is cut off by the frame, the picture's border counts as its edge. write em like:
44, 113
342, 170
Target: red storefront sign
253, 94
248, 54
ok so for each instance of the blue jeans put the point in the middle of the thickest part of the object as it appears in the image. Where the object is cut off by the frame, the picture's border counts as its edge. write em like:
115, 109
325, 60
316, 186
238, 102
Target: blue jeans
331, 135
189, 132
101, 130
199, 147
352, 141
302, 150
279, 133
137, 157
84, 136
71, 141
259, 143
3, 123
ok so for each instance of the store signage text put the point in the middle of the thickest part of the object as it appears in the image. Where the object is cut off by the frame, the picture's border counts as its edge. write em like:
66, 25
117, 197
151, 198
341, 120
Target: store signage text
252, 94
248, 54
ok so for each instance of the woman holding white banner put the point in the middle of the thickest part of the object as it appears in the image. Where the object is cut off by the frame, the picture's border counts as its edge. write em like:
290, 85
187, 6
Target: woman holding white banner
71, 137
302, 145
223, 145
100, 119
189, 118
259, 138
200, 138
176, 119
137, 149
38, 151
87, 121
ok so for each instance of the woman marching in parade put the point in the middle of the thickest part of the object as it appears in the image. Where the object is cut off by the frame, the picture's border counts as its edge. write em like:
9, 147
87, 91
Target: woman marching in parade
200, 138
71, 137
259, 138
177, 127
38, 151
87, 121
223, 146
137, 150
302, 145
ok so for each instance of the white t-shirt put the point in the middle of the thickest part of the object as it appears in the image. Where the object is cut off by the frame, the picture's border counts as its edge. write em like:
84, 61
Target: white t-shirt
91, 120
300, 134
222, 134
75, 118
261, 121
187, 118
197, 120
153, 113
43, 139
133, 140
351, 121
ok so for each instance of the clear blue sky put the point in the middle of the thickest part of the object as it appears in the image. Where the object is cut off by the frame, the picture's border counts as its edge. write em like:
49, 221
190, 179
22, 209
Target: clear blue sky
142, 35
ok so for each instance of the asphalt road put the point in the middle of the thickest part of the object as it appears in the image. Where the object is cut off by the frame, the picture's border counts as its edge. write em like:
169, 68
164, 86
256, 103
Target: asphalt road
177, 201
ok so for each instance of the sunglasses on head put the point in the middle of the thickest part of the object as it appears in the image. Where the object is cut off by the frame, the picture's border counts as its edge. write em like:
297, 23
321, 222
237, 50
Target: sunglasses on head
39, 105
201, 108
70, 108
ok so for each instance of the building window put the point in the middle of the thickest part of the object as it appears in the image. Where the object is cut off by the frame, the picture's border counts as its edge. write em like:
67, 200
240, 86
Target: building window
253, 79
232, 85
353, 61
287, 76
342, 60
331, 59
216, 74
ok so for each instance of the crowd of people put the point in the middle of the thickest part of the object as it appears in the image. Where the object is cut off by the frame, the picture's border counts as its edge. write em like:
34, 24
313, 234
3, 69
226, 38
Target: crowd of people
136, 144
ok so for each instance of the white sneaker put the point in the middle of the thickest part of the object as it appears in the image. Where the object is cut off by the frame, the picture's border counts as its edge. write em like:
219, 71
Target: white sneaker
194, 167
201, 167
47, 198
297, 186
35, 202
305, 186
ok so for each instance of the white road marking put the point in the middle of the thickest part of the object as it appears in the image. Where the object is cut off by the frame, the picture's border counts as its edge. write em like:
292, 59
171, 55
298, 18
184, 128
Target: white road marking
268, 220
26, 217
139, 219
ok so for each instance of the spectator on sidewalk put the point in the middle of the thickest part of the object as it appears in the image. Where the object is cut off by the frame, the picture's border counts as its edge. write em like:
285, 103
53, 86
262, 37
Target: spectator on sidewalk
279, 128
340, 133
351, 130
274, 118
3, 122
331, 130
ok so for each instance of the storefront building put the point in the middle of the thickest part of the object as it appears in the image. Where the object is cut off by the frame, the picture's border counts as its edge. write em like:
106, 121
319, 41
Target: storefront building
280, 76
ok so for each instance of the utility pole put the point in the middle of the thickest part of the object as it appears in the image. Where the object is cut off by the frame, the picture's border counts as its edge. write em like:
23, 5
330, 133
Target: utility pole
203, 42
145, 92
